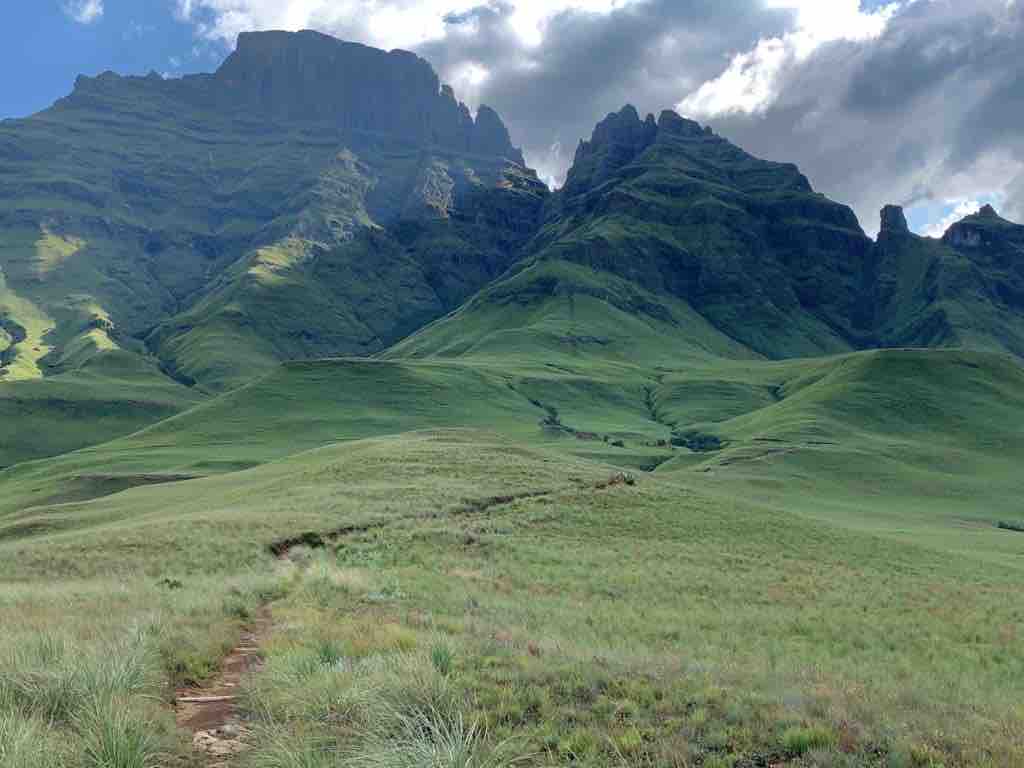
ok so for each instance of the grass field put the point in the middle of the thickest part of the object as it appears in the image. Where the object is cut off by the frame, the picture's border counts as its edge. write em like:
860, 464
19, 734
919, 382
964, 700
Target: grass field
830, 587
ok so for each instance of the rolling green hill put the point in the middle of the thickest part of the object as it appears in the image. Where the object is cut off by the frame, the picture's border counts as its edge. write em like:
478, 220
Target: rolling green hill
834, 566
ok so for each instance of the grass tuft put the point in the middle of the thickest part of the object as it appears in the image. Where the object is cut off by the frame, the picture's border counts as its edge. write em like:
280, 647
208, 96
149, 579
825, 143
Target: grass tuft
116, 735
799, 740
428, 738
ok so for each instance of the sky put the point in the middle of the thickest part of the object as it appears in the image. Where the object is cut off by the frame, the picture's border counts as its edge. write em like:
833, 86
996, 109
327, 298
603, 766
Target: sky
913, 102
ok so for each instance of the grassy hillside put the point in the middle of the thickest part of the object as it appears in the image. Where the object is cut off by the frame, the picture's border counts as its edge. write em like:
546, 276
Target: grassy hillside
470, 579
966, 290
840, 438
873, 441
561, 313
112, 394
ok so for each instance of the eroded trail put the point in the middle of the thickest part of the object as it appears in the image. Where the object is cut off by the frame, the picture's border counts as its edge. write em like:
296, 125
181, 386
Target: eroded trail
209, 712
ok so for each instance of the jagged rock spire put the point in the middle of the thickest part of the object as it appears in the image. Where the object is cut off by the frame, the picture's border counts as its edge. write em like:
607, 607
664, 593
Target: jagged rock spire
894, 221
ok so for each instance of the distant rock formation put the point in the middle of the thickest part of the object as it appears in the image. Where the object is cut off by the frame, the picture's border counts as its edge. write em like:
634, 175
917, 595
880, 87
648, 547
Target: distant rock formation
973, 231
894, 221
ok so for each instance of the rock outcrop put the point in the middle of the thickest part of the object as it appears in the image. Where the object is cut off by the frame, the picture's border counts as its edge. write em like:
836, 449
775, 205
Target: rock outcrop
894, 221
616, 141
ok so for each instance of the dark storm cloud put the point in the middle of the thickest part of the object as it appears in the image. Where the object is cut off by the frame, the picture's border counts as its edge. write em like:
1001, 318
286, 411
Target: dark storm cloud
931, 110
907, 117
649, 54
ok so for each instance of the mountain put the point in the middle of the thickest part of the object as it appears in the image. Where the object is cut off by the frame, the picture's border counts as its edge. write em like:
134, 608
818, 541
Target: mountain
311, 197
965, 290
668, 241
162, 241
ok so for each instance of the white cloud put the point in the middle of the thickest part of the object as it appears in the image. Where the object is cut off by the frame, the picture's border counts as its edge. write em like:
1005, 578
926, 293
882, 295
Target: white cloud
531, 16
84, 11
750, 82
960, 209
383, 23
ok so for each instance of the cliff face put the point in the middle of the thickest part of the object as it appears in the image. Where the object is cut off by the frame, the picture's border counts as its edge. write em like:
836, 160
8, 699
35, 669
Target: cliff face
308, 77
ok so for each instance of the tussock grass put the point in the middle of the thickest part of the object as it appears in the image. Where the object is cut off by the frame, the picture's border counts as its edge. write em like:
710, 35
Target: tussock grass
653, 624
51, 678
417, 738
87, 668
26, 743
118, 733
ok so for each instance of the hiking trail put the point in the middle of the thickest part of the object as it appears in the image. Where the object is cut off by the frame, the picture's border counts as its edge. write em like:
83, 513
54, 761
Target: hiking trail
209, 712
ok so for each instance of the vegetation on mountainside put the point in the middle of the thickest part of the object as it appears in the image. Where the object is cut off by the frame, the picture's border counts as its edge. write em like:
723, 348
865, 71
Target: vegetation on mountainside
229, 241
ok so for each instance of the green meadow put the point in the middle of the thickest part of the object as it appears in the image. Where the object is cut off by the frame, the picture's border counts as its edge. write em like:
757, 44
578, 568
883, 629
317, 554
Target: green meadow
471, 562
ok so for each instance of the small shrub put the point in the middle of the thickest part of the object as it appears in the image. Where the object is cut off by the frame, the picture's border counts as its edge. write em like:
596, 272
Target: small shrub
1010, 525
580, 744
428, 738
925, 756
800, 741
329, 652
696, 441
282, 749
236, 606
629, 744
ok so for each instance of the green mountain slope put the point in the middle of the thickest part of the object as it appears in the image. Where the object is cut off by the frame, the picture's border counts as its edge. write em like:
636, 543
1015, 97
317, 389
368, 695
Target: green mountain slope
747, 243
213, 226
318, 199
115, 393
560, 312
312, 197
965, 290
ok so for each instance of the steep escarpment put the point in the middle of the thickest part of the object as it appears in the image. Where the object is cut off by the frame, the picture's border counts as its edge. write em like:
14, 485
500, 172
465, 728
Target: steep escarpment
312, 197
309, 77
709, 249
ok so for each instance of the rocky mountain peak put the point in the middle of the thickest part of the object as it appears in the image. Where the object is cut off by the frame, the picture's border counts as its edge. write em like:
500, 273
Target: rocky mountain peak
894, 221
672, 123
311, 77
308, 75
622, 129
987, 211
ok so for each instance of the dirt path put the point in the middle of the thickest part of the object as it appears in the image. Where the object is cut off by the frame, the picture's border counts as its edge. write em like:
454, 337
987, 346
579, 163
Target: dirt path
209, 712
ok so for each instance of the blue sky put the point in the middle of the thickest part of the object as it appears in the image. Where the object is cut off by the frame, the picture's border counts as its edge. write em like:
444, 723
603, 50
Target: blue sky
43, 48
